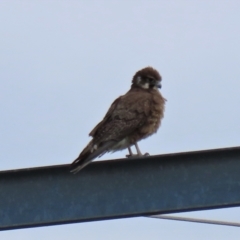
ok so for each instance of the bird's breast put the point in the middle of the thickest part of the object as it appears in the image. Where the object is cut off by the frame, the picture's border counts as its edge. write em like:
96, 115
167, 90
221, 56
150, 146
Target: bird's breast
153, 118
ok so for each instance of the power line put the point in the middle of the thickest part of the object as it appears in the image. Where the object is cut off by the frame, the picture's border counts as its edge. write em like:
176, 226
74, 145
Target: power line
197, 220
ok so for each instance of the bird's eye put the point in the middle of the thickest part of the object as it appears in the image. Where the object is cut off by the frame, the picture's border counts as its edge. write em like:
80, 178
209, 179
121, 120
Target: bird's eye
150, 80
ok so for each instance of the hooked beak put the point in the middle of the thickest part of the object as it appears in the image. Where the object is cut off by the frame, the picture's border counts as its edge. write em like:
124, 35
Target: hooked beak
158, 85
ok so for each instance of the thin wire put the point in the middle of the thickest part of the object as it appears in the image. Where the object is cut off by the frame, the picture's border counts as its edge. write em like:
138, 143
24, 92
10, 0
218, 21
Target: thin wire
197, 220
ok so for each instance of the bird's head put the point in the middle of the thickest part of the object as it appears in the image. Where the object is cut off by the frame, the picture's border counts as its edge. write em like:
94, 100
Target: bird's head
147, 78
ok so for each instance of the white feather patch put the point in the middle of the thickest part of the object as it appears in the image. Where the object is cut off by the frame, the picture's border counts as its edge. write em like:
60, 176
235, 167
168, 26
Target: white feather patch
145, 85
94, 148
139, 80
121, 145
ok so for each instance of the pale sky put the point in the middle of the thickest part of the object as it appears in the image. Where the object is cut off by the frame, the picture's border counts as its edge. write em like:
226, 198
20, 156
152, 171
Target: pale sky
62, 63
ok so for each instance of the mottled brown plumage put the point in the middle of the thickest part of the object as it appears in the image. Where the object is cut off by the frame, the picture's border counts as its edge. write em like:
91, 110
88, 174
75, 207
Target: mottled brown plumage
131, 118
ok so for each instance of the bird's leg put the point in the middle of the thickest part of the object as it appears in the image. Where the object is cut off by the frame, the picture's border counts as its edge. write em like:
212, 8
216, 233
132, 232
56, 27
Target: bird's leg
139, 152
130, 152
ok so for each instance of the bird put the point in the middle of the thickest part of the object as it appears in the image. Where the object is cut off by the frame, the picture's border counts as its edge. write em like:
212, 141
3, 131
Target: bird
132, 117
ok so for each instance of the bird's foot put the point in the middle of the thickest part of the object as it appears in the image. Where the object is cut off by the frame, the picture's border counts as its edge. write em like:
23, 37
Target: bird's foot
137, 155
132, 155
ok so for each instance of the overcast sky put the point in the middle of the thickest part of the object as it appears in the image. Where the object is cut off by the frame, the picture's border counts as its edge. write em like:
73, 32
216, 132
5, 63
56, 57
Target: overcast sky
62, 63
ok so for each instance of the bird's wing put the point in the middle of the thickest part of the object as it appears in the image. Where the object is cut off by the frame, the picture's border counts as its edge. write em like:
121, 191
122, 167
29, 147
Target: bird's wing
106, 117
126, 114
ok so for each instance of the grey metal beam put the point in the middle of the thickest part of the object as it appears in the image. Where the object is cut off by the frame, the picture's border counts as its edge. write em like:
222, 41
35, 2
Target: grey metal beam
120, 188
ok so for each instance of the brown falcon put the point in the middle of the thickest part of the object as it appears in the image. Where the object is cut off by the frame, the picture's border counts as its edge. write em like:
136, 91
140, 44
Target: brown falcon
131, 118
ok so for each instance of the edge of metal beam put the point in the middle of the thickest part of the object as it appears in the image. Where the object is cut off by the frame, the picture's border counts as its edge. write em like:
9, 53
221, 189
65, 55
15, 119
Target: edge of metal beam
120, 188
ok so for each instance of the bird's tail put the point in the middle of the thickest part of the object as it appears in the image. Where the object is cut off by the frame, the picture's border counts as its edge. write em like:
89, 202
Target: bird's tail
89, 153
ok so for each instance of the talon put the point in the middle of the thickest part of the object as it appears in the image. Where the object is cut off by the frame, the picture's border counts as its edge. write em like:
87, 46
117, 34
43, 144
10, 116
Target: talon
139, 154
132, 155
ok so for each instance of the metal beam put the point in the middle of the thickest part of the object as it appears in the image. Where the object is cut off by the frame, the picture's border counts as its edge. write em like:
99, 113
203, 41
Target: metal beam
120, 188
